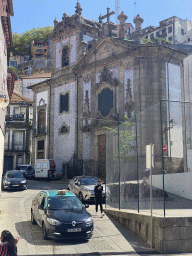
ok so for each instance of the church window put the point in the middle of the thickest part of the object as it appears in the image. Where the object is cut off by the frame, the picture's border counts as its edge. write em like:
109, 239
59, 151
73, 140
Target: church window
64, 102
157, 34
64, 129
105, 101
182, 32
170, 38
152, 36
170, 29
65, 56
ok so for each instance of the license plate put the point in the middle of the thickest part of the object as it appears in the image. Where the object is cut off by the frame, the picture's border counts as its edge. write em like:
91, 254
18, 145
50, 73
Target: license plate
15, 185
74, 230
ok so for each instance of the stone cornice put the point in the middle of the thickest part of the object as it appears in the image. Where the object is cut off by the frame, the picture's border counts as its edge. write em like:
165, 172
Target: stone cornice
115, 59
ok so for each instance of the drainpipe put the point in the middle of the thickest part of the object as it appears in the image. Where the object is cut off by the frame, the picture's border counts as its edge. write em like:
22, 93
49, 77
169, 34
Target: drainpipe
168, 92
49, 117
77, 119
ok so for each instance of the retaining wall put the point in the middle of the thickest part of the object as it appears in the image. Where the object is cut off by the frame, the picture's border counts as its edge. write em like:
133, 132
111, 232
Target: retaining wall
170, 235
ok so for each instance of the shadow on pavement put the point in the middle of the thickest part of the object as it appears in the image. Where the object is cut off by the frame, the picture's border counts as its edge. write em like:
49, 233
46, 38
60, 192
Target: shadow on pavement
33, 235
91, 254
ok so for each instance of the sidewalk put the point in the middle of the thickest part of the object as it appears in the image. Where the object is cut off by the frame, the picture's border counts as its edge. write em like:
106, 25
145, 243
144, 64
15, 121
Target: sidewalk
109, 237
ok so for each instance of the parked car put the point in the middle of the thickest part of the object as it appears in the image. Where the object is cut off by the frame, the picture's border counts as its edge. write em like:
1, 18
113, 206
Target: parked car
14, 179
61, 214
45, 168
83, 187
27, 170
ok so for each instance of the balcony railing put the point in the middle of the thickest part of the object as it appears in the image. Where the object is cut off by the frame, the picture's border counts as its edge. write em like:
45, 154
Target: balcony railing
18, 146
16, 117
40, 131
15, 147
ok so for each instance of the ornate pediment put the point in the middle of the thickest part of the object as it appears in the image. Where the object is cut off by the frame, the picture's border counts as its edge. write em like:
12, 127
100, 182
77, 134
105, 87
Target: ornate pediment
41, 102
108, 50
106, 77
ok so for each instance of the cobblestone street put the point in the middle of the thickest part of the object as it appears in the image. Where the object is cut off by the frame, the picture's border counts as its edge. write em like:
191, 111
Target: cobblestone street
109, 237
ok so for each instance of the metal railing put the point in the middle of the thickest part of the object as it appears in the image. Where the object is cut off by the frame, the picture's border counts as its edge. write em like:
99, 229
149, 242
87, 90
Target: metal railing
16, 117
167, 125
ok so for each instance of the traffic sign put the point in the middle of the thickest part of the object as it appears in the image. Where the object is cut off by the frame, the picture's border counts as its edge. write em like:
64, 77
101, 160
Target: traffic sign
164, 148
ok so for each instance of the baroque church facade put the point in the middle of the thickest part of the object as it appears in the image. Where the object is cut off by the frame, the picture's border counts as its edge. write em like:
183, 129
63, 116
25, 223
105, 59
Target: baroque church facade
98, 78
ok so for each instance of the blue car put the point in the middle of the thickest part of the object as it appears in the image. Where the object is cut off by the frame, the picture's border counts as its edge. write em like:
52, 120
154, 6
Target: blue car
61, 214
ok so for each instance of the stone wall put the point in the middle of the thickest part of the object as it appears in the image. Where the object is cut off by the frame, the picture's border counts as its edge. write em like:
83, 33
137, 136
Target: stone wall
170, 235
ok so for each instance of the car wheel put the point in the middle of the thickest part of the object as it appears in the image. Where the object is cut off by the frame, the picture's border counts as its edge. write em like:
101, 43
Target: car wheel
81, 197
33, 221
45, 234
25, 187
2, 187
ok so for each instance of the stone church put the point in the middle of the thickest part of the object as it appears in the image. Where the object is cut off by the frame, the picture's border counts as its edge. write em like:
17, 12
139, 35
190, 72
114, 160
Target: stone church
98, 77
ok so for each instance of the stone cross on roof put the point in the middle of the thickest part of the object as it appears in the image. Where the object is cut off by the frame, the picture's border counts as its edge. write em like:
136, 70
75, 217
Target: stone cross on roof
101, 18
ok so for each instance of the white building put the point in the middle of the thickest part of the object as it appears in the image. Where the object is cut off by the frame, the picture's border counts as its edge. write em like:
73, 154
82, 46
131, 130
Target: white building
6, 10
18, 132
30, 80
173, 29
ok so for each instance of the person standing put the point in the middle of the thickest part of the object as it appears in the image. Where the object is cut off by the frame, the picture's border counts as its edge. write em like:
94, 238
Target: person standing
8, 245
98, 197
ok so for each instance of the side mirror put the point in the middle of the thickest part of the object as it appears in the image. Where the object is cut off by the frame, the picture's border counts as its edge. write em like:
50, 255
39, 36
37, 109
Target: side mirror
86, 206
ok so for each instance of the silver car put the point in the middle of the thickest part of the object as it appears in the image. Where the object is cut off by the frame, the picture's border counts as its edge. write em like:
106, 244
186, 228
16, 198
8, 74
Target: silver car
83, 187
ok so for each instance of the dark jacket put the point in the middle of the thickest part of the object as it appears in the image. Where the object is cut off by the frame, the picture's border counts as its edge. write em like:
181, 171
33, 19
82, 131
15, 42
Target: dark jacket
98, 192
5, 250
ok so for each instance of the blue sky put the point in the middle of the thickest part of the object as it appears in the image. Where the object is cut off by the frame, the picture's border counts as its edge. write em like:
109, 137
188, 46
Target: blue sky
40, 13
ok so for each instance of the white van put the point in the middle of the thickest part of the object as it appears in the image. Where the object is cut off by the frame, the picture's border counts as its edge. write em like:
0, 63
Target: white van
45, 168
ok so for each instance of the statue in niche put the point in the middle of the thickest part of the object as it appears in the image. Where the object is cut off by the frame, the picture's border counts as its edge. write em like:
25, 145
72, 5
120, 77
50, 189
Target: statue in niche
129, 100
86, 112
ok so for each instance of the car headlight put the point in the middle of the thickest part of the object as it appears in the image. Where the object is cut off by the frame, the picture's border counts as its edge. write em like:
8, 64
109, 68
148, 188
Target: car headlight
53, 222
89, 221
23, 181
7, 182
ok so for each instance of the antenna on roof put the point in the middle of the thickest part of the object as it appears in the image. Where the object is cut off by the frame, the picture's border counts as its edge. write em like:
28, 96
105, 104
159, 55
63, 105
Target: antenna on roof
135, 7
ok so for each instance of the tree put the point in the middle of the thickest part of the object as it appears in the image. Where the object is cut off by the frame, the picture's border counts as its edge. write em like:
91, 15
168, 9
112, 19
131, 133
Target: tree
125, 139
156, 40
22, 42
12, 70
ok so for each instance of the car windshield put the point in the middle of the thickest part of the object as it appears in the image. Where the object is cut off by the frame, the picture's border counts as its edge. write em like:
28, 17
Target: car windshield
89, 181
64, 203
23, 167
14, 175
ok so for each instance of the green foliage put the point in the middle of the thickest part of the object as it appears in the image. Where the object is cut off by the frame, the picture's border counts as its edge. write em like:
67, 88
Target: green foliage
12, 70
22, 42
126, 137
157, 40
